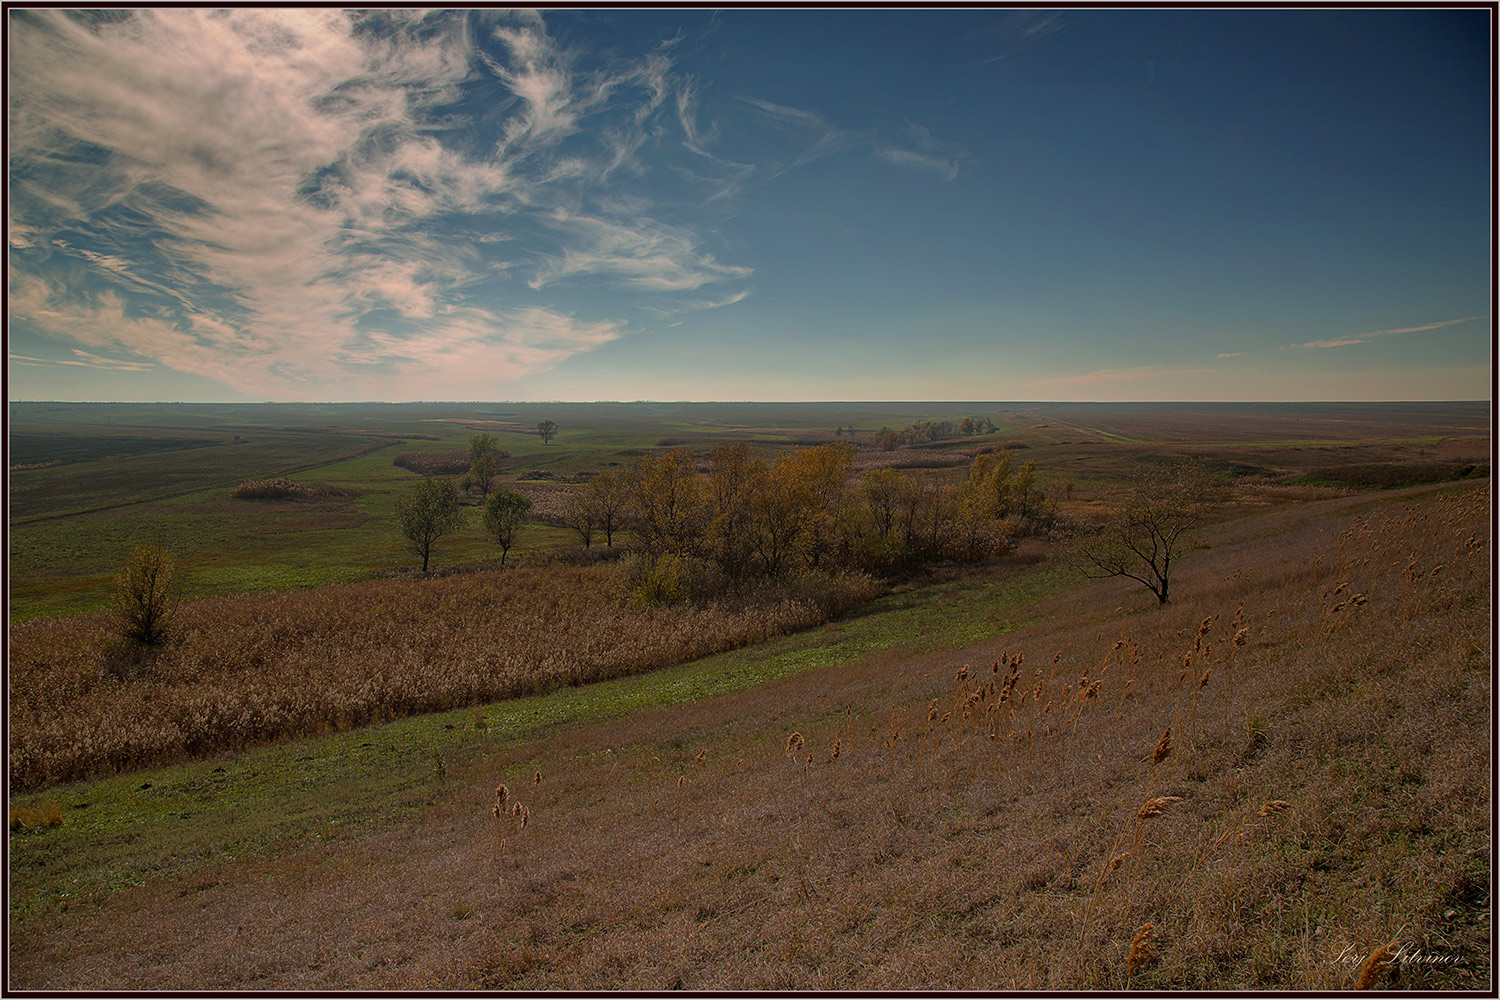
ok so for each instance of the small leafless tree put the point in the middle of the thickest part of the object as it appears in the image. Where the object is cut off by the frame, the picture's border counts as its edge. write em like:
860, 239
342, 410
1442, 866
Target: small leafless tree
1146, 531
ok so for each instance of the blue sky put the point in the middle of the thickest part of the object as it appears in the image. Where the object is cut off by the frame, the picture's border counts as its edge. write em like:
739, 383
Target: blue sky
789, 204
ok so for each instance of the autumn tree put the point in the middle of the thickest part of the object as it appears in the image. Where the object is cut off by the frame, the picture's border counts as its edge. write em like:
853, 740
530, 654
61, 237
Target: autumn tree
665, 503
504, 514
779, 516
547, 429
823, 475
484, 452
1151, 517
736, 482
146, 595
431, 511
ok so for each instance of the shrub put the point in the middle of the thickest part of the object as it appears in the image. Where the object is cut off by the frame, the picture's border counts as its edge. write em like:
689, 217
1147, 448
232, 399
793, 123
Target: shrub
657, 580
452, 462
145, 597
274, 489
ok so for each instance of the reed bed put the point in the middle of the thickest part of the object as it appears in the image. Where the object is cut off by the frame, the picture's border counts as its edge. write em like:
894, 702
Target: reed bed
255, 668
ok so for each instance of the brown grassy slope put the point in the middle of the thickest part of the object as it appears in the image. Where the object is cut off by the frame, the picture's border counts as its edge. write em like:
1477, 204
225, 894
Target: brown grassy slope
253, 668
1326, 792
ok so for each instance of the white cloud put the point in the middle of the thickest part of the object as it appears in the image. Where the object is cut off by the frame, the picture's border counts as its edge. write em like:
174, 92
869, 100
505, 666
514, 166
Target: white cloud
289, 163
1361, 338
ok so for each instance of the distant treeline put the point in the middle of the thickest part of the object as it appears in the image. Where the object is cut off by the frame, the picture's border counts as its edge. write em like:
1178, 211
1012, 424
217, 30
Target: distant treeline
924, 431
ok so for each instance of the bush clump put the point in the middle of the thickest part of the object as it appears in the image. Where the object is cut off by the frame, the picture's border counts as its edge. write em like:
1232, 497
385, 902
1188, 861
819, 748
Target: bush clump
451, 462
274, 489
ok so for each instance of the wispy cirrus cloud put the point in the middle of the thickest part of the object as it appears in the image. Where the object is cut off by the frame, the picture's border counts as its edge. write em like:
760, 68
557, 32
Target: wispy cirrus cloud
1116, 375
289, 200
941, 158
83, 359
1363, 338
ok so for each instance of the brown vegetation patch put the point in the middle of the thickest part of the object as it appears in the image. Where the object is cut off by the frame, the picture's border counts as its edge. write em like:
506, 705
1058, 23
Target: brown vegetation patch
248, 669
443, 462
290, 489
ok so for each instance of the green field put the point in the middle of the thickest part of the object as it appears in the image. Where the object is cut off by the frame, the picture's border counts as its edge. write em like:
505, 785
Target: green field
89, 480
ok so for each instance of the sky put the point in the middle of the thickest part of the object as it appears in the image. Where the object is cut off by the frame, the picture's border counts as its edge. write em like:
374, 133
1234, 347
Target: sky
586, 204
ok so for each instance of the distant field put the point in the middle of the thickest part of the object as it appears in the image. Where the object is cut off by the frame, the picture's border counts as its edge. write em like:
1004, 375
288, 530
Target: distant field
164, 472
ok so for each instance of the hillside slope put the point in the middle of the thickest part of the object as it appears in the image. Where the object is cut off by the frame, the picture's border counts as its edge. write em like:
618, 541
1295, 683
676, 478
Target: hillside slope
923, 821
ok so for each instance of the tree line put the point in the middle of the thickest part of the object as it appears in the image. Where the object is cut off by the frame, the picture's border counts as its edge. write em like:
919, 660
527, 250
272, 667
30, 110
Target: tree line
753, 517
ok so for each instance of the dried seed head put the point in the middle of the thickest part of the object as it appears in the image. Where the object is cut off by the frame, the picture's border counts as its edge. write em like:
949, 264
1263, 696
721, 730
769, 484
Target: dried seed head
835, 752
1154, 807
1118, 860
1239, 637
1274, 806
1163, 747
1203, 681
932, 712
701, 754
525, 815
1142, 950
1376, 966
793, 743
536, 779
963, 672
500, 793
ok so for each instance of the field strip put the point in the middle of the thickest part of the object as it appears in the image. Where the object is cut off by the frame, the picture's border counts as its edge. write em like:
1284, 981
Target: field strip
205, 487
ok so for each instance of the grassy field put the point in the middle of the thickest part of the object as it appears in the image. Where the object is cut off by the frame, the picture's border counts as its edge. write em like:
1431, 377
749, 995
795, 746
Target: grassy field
1323, 792
164, 472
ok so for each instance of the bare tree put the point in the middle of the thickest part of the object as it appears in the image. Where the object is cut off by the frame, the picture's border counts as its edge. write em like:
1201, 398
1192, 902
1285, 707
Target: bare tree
580, 514
1145, 533
547, 429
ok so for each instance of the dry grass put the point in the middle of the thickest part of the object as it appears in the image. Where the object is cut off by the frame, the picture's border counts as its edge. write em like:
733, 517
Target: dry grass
249, 669
1325, 795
